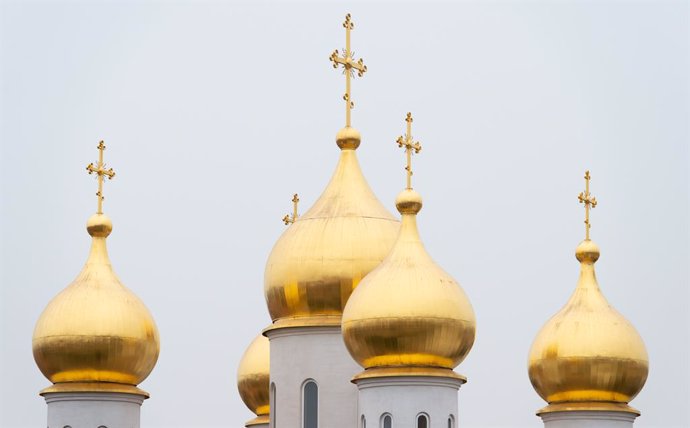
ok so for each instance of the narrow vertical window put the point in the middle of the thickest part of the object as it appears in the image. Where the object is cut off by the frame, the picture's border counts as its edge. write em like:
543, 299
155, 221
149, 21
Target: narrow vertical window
387, 421
272, 406
451, 421
310, 399
422, 421
364, 422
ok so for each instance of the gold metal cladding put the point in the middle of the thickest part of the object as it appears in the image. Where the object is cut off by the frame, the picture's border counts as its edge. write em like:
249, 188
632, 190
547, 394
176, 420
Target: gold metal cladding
349, 66
410, 146
588, 354
589, 201
408, 312
253, 376
94, 387
379, 372
288, 219
321, 258
591, 406
259, 420
96, 331
100, 171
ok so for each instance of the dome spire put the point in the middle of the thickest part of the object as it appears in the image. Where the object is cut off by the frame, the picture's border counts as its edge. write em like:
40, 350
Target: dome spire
100, 172
291, 219
349, 65
589, 201
588, 356
427, 325
96, 335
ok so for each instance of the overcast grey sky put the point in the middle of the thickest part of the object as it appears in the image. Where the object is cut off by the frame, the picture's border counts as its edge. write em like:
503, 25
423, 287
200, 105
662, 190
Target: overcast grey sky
215, 113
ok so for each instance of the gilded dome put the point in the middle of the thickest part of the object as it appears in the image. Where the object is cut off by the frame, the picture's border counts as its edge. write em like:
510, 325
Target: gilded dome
408, 312
325, 253
96, 334
588, 356
253, 377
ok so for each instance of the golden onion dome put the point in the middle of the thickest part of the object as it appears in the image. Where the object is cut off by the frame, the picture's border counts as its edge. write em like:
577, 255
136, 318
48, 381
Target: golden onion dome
408, 313
588, 356
253, 377
325, 253
96, 334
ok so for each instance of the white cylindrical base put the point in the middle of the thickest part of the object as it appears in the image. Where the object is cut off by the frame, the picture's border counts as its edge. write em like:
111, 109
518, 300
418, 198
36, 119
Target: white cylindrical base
317, 353
93, 409
405, 398
588, 419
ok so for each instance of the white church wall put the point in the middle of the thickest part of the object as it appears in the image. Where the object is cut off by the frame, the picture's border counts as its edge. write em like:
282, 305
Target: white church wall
404, 398
588, 419
316, 353
93, 409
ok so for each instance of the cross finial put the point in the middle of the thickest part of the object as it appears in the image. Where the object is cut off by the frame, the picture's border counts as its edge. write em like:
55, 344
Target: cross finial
100, 171
287, 219
589, 201
410, 146
349, 64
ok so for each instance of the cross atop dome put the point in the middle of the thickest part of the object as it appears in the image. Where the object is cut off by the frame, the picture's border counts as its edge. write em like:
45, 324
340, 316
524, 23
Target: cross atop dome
288, 219
410, 146
100, 171
349, 65
589, 201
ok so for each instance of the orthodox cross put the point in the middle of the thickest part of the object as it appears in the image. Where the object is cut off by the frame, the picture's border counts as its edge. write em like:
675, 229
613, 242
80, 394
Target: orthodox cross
100, 171
589, 201
287, 219
349, 64
410, 146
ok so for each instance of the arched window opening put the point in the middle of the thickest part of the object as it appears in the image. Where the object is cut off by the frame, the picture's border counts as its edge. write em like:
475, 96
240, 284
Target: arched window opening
364, 422
451, 421
387, 421
422, 421
310, 401
272, 406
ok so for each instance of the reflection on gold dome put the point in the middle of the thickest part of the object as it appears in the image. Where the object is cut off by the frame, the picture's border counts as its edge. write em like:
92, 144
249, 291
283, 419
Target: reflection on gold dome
323, 255
588, 356
96, 334
253, 377
408, 313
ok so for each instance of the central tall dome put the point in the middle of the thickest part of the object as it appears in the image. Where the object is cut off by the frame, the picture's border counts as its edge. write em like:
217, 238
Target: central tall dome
324, 254
310, 274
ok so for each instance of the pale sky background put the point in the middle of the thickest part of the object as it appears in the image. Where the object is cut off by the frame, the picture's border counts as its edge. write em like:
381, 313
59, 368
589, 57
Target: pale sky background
215, 113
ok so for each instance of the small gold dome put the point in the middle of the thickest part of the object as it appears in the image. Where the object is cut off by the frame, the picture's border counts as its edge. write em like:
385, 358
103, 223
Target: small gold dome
408, 312
253, 377
96, 330
588, 356
322, 256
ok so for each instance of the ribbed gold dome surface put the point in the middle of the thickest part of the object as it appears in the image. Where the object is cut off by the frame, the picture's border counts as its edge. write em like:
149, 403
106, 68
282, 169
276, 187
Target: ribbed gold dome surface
322, 256
588, 356
96, 334
408, 312
252, 379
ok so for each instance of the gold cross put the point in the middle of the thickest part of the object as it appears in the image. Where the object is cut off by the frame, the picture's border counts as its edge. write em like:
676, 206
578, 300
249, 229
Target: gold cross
409, 147
287, 219
100, 171
348, 64
589, 201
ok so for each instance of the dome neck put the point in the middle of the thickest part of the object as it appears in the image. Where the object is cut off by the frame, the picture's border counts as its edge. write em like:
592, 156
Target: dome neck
409, 232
